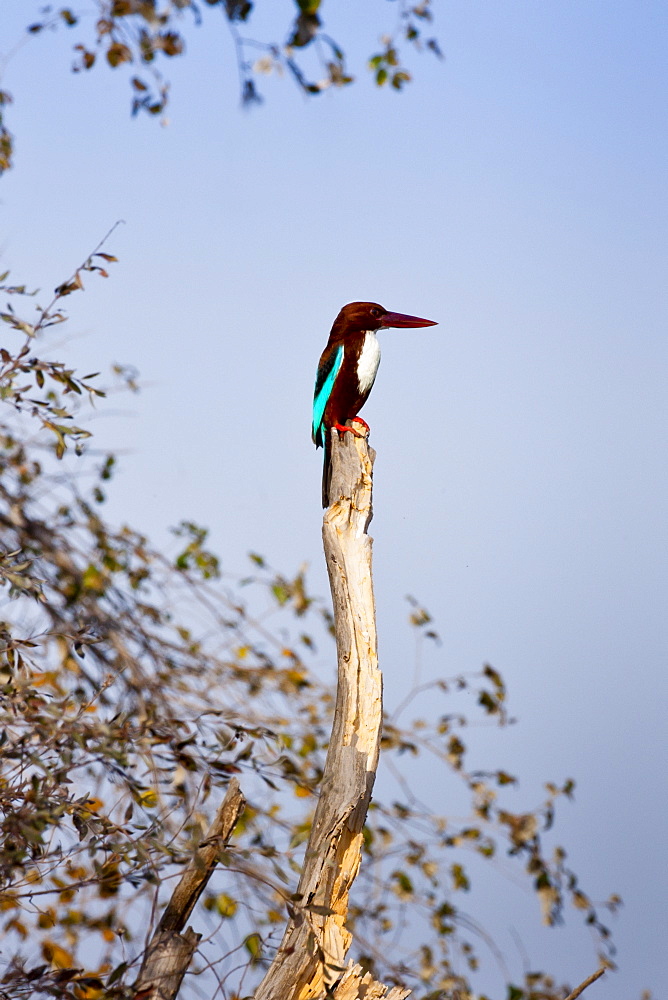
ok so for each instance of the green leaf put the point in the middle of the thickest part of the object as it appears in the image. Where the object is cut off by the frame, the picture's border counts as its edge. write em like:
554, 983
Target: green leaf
117, 973
225, 905
323, 911
403, 885
459, 878
253, 945
400, 78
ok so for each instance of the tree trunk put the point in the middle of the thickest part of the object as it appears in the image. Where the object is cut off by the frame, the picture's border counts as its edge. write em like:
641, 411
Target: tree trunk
310, 960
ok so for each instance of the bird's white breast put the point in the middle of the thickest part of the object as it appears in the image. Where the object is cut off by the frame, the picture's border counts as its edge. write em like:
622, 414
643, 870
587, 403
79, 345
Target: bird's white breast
368, 361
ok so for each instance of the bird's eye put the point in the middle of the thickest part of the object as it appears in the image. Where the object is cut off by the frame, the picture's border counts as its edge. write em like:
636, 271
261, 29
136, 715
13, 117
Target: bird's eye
375, 312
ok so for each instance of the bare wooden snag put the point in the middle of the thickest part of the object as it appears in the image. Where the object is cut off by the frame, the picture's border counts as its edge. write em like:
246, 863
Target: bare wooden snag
310, 962
170, 952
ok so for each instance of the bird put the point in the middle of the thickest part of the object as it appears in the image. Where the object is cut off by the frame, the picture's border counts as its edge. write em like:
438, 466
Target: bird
347, 370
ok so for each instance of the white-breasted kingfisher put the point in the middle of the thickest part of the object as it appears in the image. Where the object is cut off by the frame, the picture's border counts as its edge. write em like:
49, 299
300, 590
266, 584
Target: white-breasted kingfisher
347, 370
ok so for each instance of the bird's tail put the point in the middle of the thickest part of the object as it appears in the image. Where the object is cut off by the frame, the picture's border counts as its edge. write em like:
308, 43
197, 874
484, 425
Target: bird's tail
326, 468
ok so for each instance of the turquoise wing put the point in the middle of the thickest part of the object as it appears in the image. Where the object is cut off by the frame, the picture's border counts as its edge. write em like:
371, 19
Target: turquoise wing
328, 369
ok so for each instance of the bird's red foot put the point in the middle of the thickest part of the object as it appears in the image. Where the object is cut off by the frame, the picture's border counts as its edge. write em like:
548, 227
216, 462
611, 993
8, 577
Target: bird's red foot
350, 430
358, 420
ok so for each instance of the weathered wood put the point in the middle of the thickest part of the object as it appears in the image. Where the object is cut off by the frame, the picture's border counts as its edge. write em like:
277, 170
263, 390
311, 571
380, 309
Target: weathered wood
167, 959
310, 960
356, 984
169, 952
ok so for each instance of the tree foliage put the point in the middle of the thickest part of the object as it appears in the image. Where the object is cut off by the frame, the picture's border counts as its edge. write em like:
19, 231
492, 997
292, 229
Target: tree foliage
135, 683
138, 35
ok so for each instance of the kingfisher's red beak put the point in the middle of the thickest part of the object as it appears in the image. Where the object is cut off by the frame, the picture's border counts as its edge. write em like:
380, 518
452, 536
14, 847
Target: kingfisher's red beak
400, 319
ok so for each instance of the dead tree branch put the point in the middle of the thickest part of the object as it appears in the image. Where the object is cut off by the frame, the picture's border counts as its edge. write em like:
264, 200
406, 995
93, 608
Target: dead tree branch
310, 960
583, 986
170, 952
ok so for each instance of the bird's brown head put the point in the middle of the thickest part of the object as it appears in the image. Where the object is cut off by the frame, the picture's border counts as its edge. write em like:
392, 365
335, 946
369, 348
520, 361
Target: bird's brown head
358, 317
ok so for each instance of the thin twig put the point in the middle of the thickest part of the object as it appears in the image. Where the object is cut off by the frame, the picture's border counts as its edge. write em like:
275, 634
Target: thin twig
45, 313
583, 986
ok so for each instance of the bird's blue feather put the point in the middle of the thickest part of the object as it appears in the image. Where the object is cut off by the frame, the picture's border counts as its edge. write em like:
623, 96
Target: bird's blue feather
324, 384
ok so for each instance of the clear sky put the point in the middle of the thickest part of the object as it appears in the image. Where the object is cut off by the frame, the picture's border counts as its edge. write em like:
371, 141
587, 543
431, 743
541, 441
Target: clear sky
516, 193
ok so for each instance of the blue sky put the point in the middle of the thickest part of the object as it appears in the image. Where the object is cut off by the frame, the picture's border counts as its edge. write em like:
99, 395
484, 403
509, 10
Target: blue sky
516, 193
